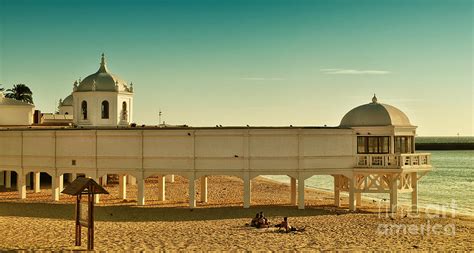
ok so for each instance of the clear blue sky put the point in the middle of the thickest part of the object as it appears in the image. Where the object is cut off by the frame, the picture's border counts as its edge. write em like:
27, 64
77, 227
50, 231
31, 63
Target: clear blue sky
252, 62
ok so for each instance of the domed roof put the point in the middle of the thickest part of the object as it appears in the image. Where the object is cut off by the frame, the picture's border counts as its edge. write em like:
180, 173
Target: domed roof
67, 101
103, 80
375, 114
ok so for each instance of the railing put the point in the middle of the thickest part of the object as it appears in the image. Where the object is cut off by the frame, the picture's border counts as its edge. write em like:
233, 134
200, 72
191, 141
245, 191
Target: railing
392, 160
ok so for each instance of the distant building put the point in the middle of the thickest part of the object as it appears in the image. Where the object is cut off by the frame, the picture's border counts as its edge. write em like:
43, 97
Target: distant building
14, 112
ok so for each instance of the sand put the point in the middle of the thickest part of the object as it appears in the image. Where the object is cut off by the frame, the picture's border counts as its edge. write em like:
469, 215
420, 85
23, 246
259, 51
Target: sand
39, 224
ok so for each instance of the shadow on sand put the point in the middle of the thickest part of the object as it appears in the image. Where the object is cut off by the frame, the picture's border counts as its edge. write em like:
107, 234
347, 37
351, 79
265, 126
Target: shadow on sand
136, 213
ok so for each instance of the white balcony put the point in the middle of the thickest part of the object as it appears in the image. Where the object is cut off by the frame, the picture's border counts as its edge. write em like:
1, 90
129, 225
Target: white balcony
393, 161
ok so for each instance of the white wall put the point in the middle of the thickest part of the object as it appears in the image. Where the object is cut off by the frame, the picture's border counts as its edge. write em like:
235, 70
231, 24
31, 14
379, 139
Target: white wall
16, 115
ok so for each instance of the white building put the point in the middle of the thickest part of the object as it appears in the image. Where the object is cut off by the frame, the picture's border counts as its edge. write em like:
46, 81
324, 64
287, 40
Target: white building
372, 151
101, 99
14, 112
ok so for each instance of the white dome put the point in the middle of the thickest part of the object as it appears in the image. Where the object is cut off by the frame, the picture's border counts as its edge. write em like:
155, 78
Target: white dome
67, 101
375, 114
102, 80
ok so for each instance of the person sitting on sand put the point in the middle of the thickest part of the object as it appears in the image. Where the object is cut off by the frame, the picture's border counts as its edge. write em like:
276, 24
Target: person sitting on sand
285, 225
262, 221
254, 221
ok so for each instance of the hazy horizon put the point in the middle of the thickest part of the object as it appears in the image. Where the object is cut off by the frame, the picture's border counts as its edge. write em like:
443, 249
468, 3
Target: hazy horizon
261, 63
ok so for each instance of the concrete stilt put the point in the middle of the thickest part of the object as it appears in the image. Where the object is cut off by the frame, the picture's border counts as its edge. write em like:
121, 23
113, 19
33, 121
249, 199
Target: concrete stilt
192, 192
414, 193
37, 183
8, 179
55, 187
394, 195
161, 188
204, 189
247, 190
337, 191
61, 183
21, 184
293, 191
131, 180
301, 193
141, 191
352, 201
104, 180
73, 176
123, 186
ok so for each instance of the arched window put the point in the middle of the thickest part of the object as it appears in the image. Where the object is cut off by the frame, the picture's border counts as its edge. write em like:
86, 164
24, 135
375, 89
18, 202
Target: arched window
105, 109
124, 111
84, 109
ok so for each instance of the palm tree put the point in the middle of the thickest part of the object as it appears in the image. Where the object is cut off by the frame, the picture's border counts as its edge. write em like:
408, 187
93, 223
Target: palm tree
20, 92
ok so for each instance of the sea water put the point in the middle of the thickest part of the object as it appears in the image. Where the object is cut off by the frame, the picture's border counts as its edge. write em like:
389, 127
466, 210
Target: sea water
450, 182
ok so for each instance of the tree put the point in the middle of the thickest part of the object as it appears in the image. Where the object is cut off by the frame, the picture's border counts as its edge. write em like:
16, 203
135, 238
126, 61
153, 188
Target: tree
20, 92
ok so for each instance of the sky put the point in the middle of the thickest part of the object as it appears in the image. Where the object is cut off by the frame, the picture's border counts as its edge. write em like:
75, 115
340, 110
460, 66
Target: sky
256, 62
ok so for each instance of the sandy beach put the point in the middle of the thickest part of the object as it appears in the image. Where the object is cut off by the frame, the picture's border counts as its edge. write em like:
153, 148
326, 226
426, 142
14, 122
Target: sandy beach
38, 223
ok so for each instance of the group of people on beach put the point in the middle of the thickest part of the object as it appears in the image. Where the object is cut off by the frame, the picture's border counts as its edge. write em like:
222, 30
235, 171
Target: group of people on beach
260, 221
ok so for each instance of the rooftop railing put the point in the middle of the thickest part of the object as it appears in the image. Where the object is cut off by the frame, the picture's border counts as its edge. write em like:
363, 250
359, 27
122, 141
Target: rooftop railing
392, 160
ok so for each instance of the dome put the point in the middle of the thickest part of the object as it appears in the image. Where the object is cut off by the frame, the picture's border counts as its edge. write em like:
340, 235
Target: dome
375, 114
67, 101
103, 80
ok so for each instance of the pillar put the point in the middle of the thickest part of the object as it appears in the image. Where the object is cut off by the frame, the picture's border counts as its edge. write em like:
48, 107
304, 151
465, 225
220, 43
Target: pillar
352, 200
73, 176
414, 193
61, 183
161, 188
123, 186
394, 195
37, 183
337, 190
2, 178
301, 192
192, 192
55, 187
170, 178
293, 191
247, 190
21, 184
104, 180
204, 189
358, 197
141, 191
8, 179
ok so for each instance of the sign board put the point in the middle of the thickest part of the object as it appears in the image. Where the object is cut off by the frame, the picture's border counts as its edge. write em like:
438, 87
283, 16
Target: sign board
83, 212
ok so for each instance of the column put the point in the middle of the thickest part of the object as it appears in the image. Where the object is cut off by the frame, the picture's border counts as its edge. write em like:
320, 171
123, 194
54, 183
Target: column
192, 192
55, 187
141, 191
2, 178
414, 193
8, 179
37, 183
161, 187
123, 186
61, 183
293, 191
352, 204
170, 178
300, 192
337, 190
96, 196
204, 189
104, 180
394, 195
247, 190
73, 176
21, 184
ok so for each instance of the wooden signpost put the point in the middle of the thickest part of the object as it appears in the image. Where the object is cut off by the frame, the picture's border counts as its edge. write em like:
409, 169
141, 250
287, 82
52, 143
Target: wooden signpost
84, 189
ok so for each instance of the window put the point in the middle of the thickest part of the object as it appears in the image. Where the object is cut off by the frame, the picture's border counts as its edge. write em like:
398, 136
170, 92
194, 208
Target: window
124, 111
105, 109
373, 144
84, 110
404, 144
